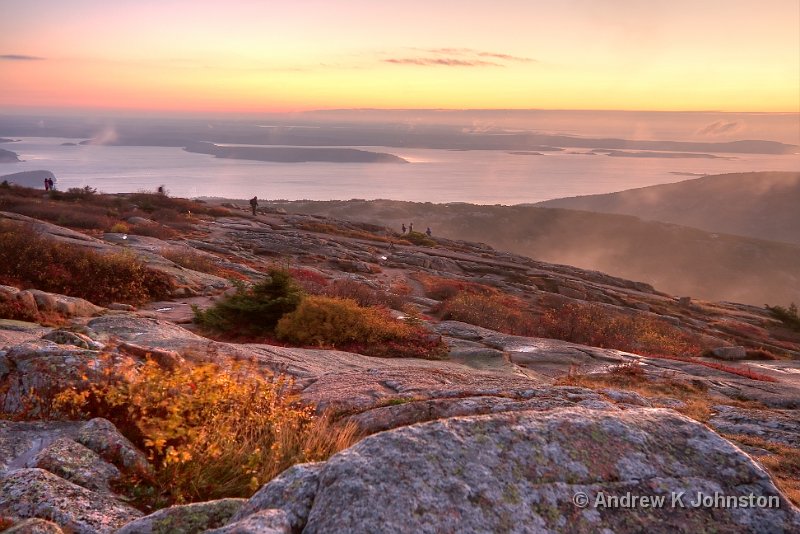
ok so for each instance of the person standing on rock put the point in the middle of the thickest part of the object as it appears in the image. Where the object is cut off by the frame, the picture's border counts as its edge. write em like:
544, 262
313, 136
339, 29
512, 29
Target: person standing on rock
254, 204
410, 227
428, 231
46, 184
404, 228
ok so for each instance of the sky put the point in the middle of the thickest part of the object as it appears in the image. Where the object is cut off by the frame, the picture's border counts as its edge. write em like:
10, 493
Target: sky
270, 56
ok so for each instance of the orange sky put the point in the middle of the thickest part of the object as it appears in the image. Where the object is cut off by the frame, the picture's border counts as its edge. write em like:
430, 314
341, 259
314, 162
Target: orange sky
249, 55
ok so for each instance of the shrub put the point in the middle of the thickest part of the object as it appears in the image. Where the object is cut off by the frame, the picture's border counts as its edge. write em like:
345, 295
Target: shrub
788, 316
439, 288
120, 228
363, 294
14, 309
64, 215
153, 230
420, 239
590, 324
151, 202
190, 259
311, 281
76, 193
494, 311
253, 310
210, 433
343, 324
35, 261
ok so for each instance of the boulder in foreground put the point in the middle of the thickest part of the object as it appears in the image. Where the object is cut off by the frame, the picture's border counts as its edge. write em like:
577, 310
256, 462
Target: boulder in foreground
524, 472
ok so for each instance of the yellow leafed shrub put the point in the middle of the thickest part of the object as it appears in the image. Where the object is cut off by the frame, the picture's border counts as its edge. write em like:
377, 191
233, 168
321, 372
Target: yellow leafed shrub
210, 433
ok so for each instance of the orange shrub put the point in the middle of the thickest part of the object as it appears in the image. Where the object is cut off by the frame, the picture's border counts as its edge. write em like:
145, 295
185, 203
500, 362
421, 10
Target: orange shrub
502, 313
363, 294
590, 324
439, 288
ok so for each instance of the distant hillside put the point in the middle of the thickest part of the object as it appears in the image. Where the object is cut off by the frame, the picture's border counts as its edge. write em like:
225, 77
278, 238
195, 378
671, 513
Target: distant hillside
758, 204
676, 259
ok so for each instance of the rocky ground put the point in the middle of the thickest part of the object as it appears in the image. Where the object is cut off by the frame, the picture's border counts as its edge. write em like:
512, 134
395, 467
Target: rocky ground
505, 435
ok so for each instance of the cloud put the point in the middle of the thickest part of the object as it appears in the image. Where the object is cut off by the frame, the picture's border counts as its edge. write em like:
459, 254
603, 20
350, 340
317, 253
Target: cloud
721, 128
478, 53
441, 61
19, 57
455, 57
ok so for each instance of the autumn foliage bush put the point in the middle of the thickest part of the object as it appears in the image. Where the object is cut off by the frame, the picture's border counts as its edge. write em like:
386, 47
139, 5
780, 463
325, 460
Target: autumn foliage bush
587, 324
495, 311
363, 294
591, 324
210, 433
439, 288
343, 324
35, 261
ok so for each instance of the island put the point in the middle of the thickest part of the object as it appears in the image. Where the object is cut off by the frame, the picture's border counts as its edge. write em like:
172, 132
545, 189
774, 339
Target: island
649, 154
6, 156
281, 154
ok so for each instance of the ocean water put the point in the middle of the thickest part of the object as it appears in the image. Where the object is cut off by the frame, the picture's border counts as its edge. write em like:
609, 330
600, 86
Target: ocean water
479, 176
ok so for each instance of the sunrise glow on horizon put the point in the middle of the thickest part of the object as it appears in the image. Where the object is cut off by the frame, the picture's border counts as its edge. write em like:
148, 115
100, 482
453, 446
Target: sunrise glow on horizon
244, 55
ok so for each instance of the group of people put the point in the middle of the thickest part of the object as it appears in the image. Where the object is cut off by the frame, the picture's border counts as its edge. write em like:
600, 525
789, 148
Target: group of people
49, 185
411, 229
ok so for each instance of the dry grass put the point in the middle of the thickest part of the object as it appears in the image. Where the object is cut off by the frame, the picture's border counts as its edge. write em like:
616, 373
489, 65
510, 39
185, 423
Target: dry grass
632, 377
783, 463
210, 433
325, 228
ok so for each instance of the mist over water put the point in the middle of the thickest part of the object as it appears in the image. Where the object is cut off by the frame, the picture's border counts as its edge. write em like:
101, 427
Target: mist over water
434, 175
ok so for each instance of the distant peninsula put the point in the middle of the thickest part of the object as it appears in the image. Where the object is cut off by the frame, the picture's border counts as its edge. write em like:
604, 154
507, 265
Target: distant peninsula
294, 154
33, 179
6, 156
4, 140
